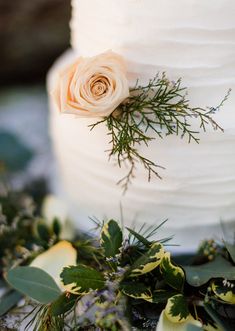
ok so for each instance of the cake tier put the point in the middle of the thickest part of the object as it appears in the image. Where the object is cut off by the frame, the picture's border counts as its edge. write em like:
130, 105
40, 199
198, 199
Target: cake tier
194, 40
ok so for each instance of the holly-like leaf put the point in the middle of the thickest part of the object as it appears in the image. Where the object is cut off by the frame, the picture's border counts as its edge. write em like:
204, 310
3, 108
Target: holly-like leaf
111, 238
218, 268
137, 290
177, 309
82, 279
63, 304
148, 261
173, 275
8, 301
224, 290
35, 283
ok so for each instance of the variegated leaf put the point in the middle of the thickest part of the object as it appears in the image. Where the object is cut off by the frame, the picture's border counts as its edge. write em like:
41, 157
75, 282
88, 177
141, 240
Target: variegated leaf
137, 290
149, 261
224, 290
173, 275
190, 325
82, 279
177, 309
111, 238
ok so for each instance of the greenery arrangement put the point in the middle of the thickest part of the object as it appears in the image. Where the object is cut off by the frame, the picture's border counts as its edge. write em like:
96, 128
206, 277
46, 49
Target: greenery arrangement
159, 109
119, 282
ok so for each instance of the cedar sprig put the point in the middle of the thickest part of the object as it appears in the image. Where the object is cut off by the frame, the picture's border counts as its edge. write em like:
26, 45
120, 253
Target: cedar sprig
155, 110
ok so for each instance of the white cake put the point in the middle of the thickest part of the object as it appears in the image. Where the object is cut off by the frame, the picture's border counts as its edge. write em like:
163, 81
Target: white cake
192, 39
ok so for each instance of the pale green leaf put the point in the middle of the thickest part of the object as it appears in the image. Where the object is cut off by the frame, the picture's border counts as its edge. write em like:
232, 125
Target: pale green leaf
82, 279
200, 275
111, 238
35, 283
8, 301
148, 261
231, 250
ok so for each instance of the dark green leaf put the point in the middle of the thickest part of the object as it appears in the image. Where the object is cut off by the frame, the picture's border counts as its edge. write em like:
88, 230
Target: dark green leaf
111, 238
8, 301
219, 268
137, 290
43, 232
63, 304
177, 309
148, 261
35, 283
173, 275
56, 227
141, 239
163, 295
13, 153
224, 324
82, 279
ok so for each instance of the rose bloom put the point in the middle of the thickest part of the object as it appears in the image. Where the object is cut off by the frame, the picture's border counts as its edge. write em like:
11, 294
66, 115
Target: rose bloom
92, 87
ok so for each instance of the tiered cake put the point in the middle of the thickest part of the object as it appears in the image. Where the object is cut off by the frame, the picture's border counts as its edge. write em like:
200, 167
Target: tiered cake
192, 39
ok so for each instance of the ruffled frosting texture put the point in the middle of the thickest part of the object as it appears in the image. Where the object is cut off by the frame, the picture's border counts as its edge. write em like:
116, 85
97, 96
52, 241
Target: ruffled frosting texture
192, 39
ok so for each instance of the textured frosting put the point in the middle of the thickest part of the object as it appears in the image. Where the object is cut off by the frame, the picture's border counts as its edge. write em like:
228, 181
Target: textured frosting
192, 39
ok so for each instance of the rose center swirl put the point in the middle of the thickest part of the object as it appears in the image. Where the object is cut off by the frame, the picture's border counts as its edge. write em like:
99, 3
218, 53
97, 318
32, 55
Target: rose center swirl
99, 87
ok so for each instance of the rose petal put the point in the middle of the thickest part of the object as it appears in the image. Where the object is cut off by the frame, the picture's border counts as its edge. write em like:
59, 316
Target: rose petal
55, 259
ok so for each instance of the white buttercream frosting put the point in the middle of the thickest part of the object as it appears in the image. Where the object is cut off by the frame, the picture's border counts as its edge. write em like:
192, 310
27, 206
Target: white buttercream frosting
192, 39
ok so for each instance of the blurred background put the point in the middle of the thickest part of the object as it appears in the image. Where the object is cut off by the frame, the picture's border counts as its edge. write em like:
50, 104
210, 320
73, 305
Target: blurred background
33, 33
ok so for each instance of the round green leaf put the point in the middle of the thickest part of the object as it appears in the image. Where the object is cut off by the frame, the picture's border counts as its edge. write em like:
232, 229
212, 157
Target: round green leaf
200, 275
35, 283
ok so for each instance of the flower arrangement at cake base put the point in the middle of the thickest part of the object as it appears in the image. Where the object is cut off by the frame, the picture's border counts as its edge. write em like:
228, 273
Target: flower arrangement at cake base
110, 282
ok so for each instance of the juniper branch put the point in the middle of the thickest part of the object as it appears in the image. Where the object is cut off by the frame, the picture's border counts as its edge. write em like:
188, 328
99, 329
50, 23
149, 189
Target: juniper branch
156, 110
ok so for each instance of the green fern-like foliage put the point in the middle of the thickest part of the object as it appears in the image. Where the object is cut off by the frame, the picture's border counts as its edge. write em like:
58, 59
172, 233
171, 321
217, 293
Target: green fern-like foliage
159, 109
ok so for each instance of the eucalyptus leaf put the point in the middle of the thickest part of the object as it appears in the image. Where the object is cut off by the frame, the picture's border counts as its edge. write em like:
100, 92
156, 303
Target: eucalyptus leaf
35, 283
8, 301
13, 153
231, 250
111, 238
82, 279
200, 275
148, 261
192, 327
137, 290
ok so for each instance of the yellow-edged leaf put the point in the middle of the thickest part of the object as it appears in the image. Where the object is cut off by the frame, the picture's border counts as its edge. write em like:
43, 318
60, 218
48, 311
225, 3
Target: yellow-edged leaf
149, 261
173, 275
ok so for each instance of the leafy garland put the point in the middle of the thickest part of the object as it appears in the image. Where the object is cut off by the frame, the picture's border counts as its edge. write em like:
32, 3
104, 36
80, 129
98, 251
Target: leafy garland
153, 111
119, 282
